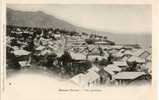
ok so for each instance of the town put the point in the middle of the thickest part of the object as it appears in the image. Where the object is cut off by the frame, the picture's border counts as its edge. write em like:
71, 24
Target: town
84, 59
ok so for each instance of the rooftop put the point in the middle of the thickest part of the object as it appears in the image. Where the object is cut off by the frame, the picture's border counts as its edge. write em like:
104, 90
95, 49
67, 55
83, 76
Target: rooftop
91, 76
120, 63
128, 75
136, 59
78, 56
112, 67
94, 68
21, 52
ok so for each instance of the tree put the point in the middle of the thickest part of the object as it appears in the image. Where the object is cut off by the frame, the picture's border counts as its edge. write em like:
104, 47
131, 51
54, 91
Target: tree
103, 62
90, 41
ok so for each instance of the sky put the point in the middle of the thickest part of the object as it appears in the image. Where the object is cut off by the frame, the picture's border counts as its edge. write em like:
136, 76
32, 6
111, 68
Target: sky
110, 18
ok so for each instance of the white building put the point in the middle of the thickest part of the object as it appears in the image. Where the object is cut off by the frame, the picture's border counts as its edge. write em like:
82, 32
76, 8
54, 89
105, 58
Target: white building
127, 77
86, 80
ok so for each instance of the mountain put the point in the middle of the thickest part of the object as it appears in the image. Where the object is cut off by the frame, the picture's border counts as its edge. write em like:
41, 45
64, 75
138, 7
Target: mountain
41, 19
35, 19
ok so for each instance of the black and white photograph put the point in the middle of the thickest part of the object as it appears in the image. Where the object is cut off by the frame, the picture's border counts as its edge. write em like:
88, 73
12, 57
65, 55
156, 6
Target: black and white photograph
86, 45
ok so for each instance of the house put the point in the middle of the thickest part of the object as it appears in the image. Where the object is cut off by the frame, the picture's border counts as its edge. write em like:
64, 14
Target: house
78, 79
148, 58
24, 64
57, 36
116, 47
132, 46
127, 77
75, 42
127, 54
122, 64
86, 80
113, 51
108, 72
78, 56
142, 53
94, 68
94, 51
142, 80
105, 75
136, 59
112, 67
122, 50
92, 79
45, 51
40, 48
117, 56
102, 43
23, 57
21, 52
149, 67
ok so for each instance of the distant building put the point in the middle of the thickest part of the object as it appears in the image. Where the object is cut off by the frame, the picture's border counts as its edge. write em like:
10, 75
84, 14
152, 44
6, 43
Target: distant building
75, 41
114, 68
23, 57
105, 75
116, 47
142, 53
122, 64
104, 43
78, 56
86, 80
78, 79
94, 68
127, 77
92, 78
149, 58
136, 59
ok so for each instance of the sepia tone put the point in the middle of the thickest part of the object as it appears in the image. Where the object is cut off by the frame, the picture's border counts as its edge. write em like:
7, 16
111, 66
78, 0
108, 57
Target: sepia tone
39, 42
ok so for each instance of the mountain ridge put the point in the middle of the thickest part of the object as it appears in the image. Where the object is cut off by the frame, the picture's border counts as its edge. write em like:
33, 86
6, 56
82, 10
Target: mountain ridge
41, 19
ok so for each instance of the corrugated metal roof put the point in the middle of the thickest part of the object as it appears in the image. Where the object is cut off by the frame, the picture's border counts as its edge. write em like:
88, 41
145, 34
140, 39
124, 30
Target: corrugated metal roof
128, 75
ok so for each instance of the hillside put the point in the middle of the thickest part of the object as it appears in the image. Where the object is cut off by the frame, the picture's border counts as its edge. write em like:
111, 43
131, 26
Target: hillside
40, 19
